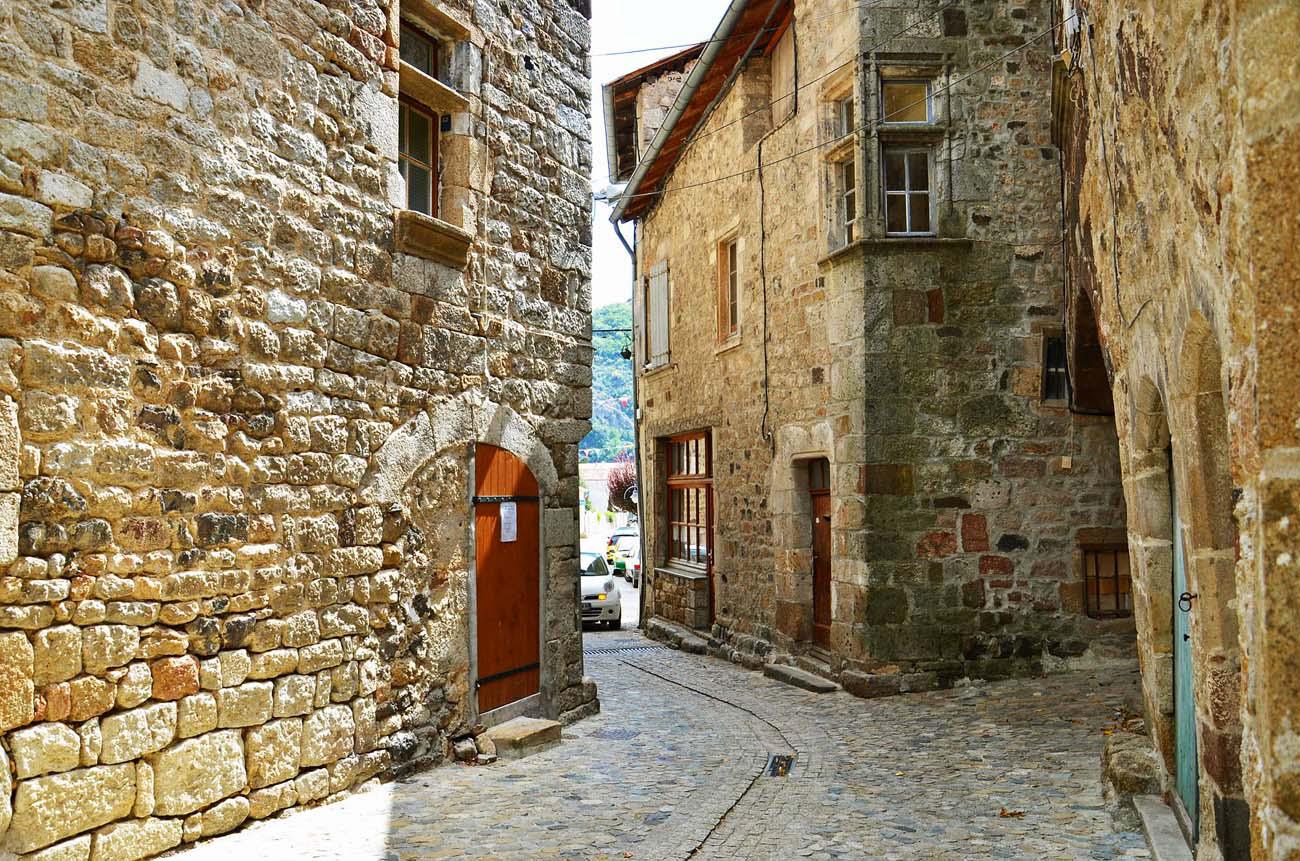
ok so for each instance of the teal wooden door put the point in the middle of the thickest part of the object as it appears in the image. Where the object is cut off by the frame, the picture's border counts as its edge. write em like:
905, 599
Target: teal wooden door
1185, 757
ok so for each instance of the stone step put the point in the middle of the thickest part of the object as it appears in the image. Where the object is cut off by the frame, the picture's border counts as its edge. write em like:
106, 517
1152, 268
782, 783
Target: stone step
1160, 825
522, 736
799, 678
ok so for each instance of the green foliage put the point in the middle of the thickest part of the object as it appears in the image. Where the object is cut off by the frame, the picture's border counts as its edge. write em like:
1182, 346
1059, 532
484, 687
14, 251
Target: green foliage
611, 387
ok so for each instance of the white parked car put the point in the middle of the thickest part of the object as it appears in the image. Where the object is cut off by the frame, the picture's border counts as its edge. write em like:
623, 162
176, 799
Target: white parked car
627, 559
601, 602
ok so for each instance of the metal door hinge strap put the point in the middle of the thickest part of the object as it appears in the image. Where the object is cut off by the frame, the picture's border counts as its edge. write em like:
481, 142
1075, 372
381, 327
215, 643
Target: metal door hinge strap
479, 499
507, 673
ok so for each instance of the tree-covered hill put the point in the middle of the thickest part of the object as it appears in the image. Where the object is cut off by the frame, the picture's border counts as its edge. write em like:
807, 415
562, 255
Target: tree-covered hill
611, 386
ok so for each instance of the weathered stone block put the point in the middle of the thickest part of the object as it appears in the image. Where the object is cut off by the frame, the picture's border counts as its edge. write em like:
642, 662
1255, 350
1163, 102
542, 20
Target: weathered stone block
47, 809
312, 785
274, 751
225, 816
137, 838
135, 685
294, 695
91, 696
58, 654
320, 656
45, 748
198, 772
327, 735
106, 646
246, 705
130, 735
174, 677
265, 802
17, 691
196, 714
76, 849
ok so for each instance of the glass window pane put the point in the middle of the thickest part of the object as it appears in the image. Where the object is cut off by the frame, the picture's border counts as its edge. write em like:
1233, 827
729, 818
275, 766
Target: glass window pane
402, 112
895, 213
920, 213
418, 141
419, 50
918, 171
417, 188
906, 102
895, 171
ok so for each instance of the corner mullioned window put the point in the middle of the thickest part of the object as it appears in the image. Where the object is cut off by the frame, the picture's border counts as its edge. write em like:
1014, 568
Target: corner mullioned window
907, 165
841, 175
909, 206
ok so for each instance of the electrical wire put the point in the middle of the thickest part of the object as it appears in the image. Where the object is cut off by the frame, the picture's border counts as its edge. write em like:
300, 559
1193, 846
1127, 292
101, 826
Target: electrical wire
760, 31
795, 92
864, 127
1128, 322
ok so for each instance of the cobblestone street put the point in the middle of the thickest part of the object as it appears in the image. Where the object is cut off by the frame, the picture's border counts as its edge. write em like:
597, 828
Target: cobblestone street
675, 767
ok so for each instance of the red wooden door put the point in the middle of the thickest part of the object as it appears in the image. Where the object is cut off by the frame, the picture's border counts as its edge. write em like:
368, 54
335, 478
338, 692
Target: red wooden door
508, 578
821, 528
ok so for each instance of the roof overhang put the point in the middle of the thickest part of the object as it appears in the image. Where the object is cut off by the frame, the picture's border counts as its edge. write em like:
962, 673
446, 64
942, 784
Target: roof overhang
746, 26
620, 100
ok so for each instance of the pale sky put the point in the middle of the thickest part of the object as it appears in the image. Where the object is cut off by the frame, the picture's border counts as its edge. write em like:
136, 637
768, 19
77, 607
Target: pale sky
623, 25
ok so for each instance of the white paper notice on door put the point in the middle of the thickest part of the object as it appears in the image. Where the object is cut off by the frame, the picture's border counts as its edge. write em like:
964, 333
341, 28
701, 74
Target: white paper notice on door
509, 522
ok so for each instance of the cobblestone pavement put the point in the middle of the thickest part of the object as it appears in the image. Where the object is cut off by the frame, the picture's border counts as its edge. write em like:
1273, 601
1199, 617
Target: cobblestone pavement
675, 768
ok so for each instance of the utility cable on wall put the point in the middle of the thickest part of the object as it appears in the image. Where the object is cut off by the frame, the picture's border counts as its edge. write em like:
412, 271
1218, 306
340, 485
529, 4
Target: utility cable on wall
861, 128
795, 92
759, 32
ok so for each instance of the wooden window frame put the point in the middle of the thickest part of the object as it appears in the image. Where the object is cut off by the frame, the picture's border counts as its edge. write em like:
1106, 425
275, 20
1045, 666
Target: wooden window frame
728, 289
435, 48
907, 192
698, 522
403, 158
1093, 578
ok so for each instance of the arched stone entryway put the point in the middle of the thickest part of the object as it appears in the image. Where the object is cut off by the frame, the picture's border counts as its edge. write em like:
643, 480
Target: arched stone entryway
422, 476
1178, 449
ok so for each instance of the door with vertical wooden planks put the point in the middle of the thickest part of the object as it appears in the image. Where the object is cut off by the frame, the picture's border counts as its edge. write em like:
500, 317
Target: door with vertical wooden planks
508, 564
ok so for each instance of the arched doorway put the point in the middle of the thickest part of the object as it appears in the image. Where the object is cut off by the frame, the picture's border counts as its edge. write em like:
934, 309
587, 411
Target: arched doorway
507, 578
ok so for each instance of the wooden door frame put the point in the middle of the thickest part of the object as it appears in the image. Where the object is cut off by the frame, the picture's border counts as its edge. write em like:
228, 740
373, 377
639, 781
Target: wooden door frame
538, 704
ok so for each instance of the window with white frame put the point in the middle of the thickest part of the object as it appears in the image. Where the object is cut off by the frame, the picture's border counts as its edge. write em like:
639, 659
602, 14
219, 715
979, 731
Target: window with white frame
845, 121
656, 316
909, 204
847, 175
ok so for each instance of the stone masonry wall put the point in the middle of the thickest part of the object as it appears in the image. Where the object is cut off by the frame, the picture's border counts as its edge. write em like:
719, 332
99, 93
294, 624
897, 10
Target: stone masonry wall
914, 367
210, 353
973, 521
1180, 144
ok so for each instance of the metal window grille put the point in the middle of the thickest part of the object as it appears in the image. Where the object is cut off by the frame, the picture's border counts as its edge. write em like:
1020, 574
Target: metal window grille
1056, 380
1107, 582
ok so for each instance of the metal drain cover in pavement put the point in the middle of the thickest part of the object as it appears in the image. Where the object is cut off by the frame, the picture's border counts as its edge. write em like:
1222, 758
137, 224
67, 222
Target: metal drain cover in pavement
779, 765
618, 650
616, 734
